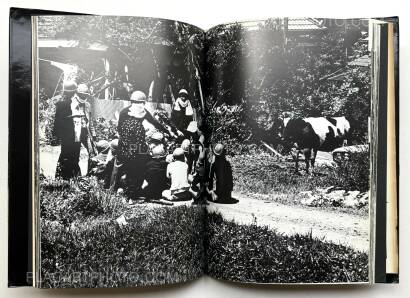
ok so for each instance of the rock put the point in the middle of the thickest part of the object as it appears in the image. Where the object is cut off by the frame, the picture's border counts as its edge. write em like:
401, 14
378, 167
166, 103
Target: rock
122, 221
312, 200
363, 199
330, 197
335, 198
350, 199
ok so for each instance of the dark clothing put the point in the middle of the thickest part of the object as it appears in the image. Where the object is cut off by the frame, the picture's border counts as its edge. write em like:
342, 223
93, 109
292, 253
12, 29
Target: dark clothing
163, 119
132, 152
63, 132
182, 196
134, 170
155, 174
132, 134
199, 179
221, 170
107, 173
135, 174
180, 119
189, 157
67, 164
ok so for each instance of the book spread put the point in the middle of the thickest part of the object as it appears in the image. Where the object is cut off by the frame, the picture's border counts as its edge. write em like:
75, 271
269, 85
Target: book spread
255, 152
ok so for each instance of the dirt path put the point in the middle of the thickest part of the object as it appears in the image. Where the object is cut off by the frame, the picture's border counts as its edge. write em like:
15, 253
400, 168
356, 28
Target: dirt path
347, 229
48, 158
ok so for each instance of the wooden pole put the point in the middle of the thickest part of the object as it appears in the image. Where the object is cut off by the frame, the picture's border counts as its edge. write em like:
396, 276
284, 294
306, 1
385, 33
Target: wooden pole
272, 150
201, 95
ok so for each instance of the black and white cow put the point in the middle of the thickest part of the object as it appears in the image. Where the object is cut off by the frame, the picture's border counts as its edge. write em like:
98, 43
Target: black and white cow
311, 134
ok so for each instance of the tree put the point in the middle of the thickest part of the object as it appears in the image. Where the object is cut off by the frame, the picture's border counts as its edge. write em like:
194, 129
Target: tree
268, 75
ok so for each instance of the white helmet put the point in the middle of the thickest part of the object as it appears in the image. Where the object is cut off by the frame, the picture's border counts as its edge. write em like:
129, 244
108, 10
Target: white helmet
183, 91
83, 88
138, 96
185, 145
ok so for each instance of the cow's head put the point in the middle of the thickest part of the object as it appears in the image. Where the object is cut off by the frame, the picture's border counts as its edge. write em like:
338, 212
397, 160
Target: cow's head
279, 126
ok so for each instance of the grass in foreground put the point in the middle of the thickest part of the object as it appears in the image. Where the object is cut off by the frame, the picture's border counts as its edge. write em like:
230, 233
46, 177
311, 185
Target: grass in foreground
83, 246
249, 253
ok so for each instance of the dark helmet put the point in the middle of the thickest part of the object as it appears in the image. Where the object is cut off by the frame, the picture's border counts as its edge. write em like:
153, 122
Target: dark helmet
69, 86
219, 149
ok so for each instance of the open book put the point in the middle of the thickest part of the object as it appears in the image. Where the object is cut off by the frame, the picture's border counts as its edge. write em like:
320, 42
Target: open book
155, 152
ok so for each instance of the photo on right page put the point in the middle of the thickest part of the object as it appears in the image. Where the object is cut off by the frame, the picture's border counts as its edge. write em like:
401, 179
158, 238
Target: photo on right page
289, 103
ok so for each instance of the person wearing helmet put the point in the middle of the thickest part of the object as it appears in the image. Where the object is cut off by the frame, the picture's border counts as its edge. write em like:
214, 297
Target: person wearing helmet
221, 172
177, 171
109, 161
133, 151
198, 185
155, 174
197, 142
182, 111
189, 154
156, 140
82, 108
67, 132
162, 116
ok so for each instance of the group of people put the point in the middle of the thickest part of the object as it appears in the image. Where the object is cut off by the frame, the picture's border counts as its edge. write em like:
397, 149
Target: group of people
142, 164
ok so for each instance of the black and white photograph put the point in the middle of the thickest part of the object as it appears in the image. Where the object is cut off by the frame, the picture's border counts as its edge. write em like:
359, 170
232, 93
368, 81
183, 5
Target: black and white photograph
166, 152
289, 106
204, 149
121, 151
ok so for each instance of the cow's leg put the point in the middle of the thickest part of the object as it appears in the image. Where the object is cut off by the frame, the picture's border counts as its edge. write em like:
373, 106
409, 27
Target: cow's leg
297, 161
307, 153
313, 159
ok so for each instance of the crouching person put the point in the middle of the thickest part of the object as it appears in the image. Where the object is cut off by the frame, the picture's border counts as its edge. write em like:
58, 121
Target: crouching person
177, 171
221, 172
198, 188
156, 174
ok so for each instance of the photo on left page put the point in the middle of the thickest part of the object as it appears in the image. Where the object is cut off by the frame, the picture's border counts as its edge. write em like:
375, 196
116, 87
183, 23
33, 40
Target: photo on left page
120, 136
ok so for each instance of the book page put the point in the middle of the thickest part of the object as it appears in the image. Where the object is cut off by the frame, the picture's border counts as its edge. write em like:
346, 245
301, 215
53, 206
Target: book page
289, 180
392, 261
120, 111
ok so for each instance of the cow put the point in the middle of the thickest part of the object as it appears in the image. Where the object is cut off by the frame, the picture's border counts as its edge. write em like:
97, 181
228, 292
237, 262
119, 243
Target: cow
314, 133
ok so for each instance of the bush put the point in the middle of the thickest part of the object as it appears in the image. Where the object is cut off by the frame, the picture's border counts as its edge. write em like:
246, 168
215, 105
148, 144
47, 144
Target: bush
46, 112
230, 129
105, 129
353, 173
249, 253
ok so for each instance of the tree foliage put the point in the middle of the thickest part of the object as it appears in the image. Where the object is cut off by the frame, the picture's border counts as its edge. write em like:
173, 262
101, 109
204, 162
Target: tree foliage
153, 49
271, 75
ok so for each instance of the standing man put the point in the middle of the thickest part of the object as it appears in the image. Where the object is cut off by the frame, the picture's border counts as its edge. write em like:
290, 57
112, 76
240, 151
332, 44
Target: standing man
67, 129
82, 109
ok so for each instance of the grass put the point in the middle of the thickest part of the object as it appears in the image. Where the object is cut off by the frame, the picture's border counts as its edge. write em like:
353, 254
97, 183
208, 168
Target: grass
262, 173
83, 246
258, 174
249, 253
